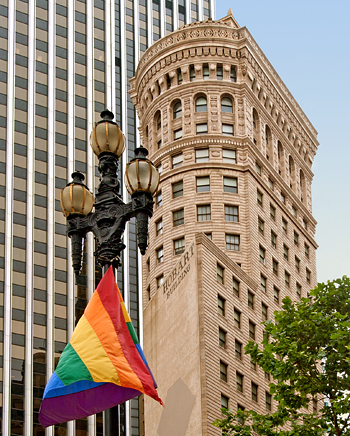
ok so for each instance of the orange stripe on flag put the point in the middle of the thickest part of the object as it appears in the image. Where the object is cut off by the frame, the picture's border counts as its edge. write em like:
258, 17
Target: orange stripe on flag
101, 323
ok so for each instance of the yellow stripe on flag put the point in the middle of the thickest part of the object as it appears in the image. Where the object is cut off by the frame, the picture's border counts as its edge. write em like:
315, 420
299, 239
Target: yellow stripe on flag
86, 343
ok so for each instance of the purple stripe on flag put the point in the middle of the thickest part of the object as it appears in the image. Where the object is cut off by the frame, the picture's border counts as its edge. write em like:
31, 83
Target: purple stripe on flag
81, 404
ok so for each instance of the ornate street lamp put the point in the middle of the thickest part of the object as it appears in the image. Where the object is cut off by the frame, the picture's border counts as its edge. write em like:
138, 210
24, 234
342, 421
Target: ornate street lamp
107, 221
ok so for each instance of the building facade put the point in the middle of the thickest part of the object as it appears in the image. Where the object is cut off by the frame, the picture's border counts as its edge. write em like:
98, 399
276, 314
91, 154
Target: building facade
61, 63
232, 231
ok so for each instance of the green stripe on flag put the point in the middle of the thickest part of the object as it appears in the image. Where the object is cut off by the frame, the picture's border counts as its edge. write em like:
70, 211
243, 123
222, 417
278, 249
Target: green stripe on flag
71, 368
132, 332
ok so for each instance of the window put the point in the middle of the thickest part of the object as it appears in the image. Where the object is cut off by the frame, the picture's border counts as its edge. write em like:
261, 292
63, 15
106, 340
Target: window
177, 134
263, 283
178, 217
221, 305
254, 392
203, 213
201, 128
208, 235
233, 242
237, 318
179, 76
203, 184
159, 168
226, 105
307, 251
271, 184
239, 382
276, 295
275, 266
268, 401
228, 156
287, 278
219, 72
159, 144
314, 405
177, 160
283, 198
260, 225
159, 227
297, 264
267, 376
296, 238
201, 104
205, 72
238, 350
179, 246
284, 225
262, 253
219, 273
224, 402
305, 224
233, 74
178, 189
285, 252
273, 239
177, 110
230, 184
235, 284
192, 73
258, 169
251, 330
159, 122
223, 371
272, 212
231, 213
264, 312
251, 300
160, 280
294, 211
298, 289
308, 275
259, 197
222, 338
160, 255
159, 199
227, 129
202, 155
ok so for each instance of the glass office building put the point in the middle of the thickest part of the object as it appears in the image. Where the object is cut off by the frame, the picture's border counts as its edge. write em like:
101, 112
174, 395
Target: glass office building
61, 63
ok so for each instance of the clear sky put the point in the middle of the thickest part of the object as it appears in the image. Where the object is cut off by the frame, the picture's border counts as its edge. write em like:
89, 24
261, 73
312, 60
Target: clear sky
308, 44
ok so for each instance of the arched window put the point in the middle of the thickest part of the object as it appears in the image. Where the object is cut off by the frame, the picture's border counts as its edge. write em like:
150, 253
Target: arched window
159, 121
268, 143
226, 105
201, 104
280, 159
291, 168
177, 110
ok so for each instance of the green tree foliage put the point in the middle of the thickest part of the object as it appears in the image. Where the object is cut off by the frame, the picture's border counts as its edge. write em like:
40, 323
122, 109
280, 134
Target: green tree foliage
306, 350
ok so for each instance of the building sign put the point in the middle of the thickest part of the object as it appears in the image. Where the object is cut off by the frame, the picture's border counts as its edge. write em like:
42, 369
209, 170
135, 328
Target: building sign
179, 272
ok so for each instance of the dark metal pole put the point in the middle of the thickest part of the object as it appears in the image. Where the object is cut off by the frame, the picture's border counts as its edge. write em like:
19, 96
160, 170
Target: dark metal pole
110, 416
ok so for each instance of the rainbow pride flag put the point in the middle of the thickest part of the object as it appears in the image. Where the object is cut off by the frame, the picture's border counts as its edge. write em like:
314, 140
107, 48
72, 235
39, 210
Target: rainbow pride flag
103, 364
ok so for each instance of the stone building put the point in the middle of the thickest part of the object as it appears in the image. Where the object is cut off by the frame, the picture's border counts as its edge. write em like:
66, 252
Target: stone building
61, 63
232, 231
